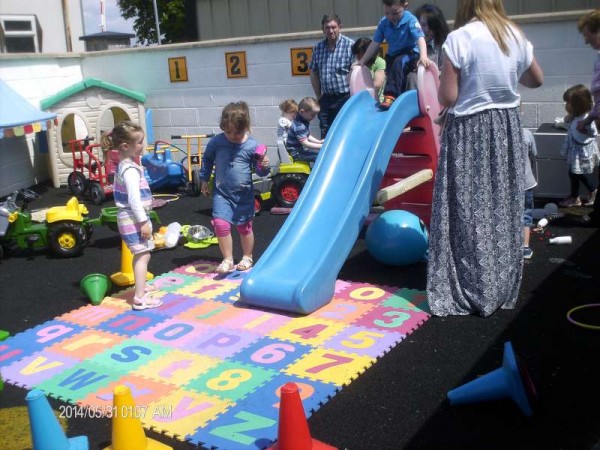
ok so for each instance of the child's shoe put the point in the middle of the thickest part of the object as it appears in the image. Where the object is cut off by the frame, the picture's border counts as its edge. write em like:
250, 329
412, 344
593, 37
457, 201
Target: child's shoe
226, 266
569, 202
590, 201
245, 264
387, 102
146, 302
527, 253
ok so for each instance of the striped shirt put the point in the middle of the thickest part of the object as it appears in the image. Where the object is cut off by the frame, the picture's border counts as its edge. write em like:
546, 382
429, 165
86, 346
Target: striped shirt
333, 67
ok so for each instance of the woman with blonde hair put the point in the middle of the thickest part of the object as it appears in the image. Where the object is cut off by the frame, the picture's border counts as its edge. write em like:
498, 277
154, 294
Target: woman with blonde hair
476, 236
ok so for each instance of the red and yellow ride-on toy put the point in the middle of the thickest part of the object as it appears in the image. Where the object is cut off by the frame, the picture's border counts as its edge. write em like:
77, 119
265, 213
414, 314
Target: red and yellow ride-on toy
91, 172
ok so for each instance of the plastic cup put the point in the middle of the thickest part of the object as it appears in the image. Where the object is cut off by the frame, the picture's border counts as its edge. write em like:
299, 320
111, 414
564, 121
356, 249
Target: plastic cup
560, 240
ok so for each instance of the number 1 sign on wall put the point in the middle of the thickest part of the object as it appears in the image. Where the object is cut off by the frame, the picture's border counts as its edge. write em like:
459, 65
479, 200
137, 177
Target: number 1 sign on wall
236, 65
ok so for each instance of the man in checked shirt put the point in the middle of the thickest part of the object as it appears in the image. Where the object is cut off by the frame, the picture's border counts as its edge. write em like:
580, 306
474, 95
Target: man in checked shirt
329, 68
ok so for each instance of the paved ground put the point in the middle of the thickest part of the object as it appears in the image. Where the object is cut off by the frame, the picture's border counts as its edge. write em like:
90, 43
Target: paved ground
400, 402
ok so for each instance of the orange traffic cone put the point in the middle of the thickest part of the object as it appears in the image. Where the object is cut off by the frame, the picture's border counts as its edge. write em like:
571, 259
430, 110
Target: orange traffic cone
293, 433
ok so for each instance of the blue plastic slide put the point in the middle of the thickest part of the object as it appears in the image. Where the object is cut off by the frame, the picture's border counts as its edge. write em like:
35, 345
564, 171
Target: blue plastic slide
297, 272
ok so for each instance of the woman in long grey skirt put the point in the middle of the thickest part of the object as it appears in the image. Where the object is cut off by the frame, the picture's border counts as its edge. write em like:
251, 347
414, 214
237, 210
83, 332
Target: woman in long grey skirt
476, 235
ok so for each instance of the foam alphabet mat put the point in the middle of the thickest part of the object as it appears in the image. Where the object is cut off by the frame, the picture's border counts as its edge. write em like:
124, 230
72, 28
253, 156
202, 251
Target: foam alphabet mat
203, 367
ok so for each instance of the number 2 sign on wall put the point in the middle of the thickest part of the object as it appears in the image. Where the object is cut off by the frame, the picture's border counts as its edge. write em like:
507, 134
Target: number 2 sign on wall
236, 65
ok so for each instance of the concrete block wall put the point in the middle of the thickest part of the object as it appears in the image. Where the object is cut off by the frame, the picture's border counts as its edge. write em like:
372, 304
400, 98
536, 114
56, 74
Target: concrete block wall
194, 107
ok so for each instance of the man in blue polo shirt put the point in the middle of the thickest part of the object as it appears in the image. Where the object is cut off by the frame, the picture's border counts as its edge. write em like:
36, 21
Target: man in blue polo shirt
329, 68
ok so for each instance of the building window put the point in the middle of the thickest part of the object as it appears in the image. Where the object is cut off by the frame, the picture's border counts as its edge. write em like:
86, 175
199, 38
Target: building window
19, 34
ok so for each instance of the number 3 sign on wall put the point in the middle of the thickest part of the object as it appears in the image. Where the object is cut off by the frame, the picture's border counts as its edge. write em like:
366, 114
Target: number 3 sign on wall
300, 58
236, 65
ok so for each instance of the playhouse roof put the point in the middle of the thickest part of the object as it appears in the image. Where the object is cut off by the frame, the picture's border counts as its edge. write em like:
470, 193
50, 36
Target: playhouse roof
18, 116
88, 83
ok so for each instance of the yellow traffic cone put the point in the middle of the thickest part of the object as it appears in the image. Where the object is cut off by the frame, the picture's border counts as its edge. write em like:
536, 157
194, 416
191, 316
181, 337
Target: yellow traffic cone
127, 430
125, 276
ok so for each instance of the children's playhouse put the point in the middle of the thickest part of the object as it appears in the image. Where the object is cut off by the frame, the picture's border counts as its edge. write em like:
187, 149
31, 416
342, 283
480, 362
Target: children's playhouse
87, 109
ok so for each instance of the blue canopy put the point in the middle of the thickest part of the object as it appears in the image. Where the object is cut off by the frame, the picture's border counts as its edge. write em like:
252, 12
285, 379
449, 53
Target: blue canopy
18, 116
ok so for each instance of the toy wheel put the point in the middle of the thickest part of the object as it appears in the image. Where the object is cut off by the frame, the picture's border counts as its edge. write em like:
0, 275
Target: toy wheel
196, 183
288, 188
97, 193
258, 203
66, 239
77, 183
89, 232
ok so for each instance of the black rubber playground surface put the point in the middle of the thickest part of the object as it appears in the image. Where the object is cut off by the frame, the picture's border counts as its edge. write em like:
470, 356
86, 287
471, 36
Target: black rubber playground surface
400, 402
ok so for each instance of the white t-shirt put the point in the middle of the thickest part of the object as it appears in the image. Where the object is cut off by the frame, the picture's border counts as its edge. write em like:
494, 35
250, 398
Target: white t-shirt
488, 78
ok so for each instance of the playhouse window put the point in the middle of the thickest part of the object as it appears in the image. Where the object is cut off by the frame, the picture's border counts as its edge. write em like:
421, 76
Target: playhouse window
19, 34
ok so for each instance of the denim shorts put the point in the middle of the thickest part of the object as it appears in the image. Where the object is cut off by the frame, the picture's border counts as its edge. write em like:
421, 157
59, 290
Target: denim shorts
528, 212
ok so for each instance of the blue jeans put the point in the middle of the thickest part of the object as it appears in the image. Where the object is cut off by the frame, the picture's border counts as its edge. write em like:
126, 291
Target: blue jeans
330, 105
528, 211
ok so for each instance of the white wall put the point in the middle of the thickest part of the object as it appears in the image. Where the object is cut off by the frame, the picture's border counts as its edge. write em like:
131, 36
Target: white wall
194, 107
50, 16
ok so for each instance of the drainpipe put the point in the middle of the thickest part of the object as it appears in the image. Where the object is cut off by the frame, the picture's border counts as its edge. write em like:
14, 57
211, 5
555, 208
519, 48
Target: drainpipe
67, 23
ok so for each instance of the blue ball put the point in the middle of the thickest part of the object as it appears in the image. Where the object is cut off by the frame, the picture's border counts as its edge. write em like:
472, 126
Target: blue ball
397, 238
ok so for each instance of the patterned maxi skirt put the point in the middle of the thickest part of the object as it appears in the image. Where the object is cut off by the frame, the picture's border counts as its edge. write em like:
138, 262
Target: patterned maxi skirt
475, 241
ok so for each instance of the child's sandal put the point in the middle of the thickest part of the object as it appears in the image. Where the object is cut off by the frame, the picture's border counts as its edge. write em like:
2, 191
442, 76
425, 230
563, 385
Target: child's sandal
226, 266
245, 264
146, 302
150, 288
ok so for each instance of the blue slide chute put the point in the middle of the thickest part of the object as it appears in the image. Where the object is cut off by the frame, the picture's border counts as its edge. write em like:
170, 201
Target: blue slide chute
297, 272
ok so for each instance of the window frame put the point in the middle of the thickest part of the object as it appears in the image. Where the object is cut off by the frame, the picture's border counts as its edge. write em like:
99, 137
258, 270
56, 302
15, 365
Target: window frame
32, 33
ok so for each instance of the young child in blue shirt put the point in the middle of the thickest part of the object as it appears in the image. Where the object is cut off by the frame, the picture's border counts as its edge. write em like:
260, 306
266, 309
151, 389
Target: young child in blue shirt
300, 144
233, 155
406, 47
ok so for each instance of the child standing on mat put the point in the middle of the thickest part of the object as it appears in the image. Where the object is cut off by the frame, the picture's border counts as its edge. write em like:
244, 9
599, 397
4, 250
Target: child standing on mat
580, 147
406, 47
233, 155
134, 200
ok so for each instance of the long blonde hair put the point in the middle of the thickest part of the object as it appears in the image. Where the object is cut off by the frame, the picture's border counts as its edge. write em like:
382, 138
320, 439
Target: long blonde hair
492, 14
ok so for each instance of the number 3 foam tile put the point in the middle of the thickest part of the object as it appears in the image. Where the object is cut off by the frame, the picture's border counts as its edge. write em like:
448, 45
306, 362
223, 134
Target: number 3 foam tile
392, 319
271, 353
188, 411
330, 366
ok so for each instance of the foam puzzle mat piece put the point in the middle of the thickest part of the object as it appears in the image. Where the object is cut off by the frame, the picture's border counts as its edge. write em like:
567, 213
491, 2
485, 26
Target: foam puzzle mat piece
204, 367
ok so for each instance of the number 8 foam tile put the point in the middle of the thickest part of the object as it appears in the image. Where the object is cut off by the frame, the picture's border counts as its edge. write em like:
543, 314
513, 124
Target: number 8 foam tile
231, 380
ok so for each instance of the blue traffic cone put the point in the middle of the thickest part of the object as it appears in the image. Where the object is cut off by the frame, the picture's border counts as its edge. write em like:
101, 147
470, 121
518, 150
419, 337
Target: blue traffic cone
46, 432
501, 383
